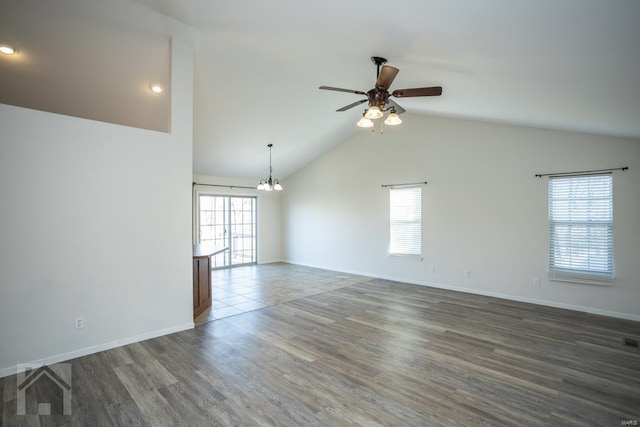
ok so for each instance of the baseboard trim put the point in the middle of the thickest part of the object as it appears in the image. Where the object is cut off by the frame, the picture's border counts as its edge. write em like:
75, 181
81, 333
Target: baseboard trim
5, 372
269, 261
547, 303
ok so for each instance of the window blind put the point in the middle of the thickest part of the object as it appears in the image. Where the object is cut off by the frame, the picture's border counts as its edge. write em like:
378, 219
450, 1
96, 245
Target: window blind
405, 221
581, 227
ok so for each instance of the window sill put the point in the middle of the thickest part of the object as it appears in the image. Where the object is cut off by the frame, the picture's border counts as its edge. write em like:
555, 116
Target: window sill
583, 279
407, 256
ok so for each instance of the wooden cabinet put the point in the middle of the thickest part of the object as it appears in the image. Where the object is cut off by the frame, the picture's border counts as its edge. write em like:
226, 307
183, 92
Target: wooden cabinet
201, 285
202, 254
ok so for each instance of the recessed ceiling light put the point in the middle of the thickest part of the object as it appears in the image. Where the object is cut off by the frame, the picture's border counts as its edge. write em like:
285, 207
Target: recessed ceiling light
7, 49
156, 88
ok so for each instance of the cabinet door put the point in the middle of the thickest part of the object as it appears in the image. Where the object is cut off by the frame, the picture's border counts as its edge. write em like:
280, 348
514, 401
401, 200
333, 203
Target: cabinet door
196, 284
204, 271
201, 285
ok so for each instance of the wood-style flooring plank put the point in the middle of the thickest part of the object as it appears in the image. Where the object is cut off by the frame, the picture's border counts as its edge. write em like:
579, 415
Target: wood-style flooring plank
337, 349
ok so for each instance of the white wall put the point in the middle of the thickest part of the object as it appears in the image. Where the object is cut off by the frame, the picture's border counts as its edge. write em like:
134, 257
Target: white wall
483, 209
268, 211
95, 222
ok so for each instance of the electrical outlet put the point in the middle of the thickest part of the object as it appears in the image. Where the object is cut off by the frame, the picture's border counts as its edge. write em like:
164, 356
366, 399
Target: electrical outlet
79, 322
536, 282
467, 274
432, 269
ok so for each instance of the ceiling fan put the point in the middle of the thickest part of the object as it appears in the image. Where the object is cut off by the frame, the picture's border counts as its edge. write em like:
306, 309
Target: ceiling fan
379, 97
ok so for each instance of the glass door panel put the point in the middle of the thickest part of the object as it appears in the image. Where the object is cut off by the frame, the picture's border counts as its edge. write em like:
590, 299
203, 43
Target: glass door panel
229, 222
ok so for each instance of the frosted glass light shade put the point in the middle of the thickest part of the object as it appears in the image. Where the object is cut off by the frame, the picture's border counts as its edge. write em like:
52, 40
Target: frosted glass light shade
364, 122
393, 119
373, 113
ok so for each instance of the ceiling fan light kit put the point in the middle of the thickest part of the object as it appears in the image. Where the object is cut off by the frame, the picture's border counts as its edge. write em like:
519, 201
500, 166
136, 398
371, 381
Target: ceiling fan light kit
269, 184
378, 97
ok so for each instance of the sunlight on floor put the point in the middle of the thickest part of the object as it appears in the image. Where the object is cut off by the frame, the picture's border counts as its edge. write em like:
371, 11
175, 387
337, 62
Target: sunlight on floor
241, 289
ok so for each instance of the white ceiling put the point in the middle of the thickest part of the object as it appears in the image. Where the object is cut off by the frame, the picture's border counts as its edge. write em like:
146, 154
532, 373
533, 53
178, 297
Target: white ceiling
570, 64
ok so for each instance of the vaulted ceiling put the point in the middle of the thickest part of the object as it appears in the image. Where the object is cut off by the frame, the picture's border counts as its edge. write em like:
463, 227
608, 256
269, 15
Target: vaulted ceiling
571, 64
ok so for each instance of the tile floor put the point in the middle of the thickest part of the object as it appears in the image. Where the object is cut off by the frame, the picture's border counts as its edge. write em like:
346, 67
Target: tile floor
240, 289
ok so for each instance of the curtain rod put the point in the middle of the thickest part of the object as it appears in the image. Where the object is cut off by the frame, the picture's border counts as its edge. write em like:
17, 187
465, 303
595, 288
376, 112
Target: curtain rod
403, 185
540, 175
225, 186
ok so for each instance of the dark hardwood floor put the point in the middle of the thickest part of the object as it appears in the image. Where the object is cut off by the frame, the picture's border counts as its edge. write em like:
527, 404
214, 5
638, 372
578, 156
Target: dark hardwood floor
338, 350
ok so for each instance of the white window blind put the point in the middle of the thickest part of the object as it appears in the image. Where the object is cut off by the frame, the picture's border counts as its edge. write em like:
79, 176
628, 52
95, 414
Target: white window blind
581, 228
405, 221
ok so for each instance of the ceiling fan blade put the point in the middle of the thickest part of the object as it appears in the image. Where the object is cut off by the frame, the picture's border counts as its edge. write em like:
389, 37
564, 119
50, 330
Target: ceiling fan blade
357, 92
395, 105
387, 74
418, 91
347, 107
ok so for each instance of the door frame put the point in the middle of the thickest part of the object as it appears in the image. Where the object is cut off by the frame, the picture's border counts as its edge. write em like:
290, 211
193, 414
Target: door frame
197, 192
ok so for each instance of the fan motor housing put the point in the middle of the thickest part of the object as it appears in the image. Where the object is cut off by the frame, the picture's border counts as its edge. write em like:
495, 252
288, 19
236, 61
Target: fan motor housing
378, 97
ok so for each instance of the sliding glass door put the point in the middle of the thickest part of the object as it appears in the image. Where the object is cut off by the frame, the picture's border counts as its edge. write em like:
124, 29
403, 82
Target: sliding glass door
229, 221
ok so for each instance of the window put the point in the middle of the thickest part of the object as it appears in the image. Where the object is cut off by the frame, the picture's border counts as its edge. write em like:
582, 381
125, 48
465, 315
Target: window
405, 215
581, 228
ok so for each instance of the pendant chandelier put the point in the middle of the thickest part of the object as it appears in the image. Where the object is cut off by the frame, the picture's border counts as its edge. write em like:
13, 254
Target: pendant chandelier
269, 183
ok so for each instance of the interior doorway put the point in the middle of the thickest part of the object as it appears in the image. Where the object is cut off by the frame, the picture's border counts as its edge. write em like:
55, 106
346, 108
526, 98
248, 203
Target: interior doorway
229, 221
